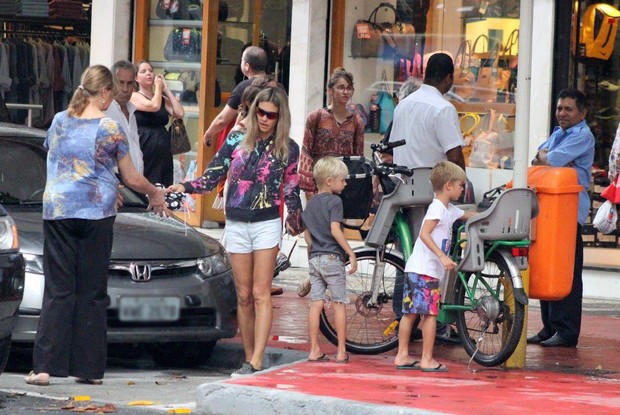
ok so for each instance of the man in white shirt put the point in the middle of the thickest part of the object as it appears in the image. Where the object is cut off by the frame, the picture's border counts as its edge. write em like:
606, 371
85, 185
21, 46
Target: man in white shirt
428, 122
122, 111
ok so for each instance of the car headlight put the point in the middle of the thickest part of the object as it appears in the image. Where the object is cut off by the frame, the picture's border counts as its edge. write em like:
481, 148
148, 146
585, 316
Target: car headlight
214, 264
34, 263
9, 241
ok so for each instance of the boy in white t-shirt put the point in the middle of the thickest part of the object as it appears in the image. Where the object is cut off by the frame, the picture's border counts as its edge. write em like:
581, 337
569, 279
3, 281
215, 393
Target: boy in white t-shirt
427, 265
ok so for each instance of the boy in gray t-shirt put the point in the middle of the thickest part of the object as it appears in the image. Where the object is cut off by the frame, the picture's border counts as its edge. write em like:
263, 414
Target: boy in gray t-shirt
327, 252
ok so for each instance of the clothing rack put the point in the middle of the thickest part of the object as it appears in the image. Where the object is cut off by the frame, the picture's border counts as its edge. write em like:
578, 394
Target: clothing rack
57, 34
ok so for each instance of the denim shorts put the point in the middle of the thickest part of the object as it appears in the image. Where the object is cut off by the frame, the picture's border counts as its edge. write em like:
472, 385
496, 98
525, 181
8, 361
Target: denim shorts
421, 294
246, 237
328, 271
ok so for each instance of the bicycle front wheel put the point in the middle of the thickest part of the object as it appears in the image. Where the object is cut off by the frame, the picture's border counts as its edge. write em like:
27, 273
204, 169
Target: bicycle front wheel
493, 311
367, 324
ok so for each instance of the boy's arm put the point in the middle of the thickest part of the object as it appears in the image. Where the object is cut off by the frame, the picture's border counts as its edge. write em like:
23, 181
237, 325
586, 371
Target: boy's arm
308, 239
425, 236
344, 244
468, 214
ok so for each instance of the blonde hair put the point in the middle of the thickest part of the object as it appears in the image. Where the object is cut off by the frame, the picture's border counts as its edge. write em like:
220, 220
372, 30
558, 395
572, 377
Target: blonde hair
446, 172
327, 167
94, 79
277, 97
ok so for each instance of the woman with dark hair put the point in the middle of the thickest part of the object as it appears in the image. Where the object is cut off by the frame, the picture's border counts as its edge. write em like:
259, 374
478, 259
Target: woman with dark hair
155, 103
258, 161
331, 131
79, 207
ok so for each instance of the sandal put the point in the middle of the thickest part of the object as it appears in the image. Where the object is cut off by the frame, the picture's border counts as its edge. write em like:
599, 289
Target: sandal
89, 381
37, 379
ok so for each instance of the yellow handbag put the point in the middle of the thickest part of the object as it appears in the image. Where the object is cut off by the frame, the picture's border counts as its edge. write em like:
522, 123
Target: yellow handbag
469, 123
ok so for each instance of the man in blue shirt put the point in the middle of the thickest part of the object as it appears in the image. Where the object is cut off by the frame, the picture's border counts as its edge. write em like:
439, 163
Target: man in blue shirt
571, 145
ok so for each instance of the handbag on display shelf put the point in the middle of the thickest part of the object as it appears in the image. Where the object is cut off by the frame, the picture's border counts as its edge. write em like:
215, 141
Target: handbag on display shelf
491, 80
173, 9
485, 147
179, 140
372, 40
469, 123
464, 78
386, 103
183, 44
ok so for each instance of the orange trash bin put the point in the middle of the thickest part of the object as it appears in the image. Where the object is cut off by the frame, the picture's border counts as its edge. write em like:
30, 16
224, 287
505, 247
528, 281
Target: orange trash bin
552, 253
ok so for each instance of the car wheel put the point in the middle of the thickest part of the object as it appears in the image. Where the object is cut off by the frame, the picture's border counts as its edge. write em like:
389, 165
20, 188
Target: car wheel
5, 348
181, 354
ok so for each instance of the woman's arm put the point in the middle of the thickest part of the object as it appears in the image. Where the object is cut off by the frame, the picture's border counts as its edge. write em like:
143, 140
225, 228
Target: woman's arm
139, 183
173, 106
358, 137
142, 103
306, 158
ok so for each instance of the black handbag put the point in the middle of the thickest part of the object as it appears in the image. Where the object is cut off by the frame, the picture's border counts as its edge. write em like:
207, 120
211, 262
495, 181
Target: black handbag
179, 140
183, 44
173, 9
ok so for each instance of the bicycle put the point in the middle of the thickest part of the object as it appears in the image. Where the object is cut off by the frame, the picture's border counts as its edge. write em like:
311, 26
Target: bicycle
483, 296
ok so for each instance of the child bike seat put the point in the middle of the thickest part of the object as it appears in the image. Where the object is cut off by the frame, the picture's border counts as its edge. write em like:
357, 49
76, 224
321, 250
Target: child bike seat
507, 219
415, 190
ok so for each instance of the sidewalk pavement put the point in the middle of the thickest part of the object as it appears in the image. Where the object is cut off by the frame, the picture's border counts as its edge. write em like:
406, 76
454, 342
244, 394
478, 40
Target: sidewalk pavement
583, 380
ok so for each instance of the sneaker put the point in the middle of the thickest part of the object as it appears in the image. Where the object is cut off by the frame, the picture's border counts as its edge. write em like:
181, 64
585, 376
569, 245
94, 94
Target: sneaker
245, 370
304, 288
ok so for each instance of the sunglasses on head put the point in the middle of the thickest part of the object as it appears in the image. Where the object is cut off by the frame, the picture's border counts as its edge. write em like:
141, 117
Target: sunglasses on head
270, 115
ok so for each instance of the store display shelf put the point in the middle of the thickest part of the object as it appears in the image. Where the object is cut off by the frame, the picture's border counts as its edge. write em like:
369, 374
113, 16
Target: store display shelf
176, 65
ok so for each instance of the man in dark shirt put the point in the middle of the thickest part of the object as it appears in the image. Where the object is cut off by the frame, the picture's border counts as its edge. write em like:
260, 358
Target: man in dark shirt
253, 63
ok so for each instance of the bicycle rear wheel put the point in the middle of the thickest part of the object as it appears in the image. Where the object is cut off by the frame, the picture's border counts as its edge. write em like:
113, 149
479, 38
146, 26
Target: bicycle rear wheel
493, 306
366, 325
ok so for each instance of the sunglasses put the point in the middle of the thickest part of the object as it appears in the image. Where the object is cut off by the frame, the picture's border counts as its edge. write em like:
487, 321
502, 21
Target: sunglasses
270, 115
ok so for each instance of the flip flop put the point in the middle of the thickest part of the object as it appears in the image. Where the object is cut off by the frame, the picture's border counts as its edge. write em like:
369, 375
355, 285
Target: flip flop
323, 358
89, 381
415, 365
342, 361
440, 368
30, 379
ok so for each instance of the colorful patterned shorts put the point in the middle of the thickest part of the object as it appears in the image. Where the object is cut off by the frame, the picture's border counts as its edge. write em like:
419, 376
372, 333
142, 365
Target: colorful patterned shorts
421, 294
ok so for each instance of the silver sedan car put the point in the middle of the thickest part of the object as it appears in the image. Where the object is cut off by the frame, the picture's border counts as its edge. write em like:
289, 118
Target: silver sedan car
170, 286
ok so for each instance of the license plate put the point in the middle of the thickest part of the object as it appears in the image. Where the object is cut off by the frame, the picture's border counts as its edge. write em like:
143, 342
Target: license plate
149, 308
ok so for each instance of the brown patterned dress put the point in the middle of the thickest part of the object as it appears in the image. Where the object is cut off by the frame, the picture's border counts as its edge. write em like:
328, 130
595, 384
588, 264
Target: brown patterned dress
324, 136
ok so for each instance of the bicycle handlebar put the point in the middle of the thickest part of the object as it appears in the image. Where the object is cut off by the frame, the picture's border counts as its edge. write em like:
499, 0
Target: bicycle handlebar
383, 147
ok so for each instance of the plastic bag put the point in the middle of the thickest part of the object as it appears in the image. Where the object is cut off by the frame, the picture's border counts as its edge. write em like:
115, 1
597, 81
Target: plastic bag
606, 218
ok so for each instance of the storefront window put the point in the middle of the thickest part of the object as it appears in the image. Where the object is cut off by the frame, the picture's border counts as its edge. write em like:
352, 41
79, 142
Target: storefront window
482, 38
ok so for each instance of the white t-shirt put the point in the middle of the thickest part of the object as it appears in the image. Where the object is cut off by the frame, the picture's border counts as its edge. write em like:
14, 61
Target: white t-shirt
130, 127
422, 260
430, 126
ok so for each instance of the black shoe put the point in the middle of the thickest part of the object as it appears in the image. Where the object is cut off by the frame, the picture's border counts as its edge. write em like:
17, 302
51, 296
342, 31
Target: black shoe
537, 339
452, 338
557, 341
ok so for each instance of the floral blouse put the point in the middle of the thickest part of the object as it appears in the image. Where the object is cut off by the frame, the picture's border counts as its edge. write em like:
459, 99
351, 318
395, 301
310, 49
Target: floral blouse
255, 179
325, 137
81, 157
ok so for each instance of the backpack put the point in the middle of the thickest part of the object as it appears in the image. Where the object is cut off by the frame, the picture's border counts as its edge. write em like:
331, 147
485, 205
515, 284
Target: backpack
598, 31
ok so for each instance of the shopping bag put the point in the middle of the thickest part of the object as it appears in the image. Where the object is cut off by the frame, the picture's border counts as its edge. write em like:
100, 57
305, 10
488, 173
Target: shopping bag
179, 140
485, 148
386, 103
606, 218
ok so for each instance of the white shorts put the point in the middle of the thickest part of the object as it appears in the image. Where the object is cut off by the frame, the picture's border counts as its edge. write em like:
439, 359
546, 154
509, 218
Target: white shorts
246, 237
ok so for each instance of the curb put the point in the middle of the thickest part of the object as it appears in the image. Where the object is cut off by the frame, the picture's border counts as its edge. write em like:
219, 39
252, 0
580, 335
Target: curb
220, 398
231, 355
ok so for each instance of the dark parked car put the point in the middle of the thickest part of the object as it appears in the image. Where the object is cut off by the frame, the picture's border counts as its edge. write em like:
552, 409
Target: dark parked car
11, 282
169, 285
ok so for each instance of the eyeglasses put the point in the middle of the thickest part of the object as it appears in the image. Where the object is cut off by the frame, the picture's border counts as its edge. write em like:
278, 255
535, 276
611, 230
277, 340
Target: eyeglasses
342, 88
270, 115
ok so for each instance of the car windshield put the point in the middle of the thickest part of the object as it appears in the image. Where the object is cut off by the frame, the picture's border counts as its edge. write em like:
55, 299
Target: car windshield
23, 171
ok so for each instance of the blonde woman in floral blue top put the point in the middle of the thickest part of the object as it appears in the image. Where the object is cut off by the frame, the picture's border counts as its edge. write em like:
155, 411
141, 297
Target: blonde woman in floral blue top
260, 162
79, 207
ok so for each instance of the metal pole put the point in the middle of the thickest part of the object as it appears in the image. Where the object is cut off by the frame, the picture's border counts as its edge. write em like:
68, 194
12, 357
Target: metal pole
521, 141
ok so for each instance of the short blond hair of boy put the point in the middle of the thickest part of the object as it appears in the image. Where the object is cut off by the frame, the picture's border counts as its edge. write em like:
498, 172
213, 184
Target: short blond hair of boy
446, 172
327, 167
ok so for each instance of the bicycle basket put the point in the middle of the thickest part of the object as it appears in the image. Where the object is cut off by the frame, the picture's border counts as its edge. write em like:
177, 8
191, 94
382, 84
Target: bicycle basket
357, 195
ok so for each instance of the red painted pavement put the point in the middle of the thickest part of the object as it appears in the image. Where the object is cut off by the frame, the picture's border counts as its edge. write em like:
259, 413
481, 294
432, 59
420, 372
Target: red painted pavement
585, 380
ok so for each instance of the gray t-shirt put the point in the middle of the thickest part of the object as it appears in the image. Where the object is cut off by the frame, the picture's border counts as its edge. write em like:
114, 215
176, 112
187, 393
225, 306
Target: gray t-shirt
320, 212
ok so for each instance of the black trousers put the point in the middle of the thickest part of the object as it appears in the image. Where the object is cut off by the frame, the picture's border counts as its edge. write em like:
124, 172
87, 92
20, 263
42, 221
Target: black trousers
564, 316
71, 336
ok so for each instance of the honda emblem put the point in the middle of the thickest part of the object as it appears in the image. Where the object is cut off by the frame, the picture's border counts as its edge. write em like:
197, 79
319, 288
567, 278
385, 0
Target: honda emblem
140, 273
